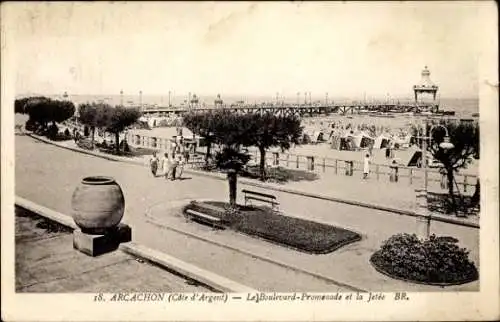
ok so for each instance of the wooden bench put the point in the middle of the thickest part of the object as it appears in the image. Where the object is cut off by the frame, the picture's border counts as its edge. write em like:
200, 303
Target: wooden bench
259, 196
204, 218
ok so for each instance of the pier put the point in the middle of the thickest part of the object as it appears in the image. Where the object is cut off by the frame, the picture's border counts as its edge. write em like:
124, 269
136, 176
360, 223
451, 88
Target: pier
301, 110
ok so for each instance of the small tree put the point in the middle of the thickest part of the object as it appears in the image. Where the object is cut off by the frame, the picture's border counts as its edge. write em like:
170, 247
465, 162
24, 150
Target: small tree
203, 125
95, 116
269, 130
232, 131
60, 111
231, 160
118, 119
465, 138
42, 110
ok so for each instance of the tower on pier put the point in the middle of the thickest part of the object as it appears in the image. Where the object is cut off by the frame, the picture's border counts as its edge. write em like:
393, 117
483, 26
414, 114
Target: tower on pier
194, 101
426, 86
218, 101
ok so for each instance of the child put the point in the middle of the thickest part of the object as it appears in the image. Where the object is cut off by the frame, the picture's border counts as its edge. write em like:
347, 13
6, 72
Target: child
366, 166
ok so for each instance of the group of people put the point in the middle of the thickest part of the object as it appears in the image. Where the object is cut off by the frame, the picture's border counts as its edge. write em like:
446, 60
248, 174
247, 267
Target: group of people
169, 167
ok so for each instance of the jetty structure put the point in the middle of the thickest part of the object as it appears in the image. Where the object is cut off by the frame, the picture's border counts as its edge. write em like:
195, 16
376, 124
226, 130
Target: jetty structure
310, 108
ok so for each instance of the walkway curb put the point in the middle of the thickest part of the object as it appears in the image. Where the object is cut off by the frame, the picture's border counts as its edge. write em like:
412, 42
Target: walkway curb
185, 269
285, 190
165, 261
50, 214
154, 221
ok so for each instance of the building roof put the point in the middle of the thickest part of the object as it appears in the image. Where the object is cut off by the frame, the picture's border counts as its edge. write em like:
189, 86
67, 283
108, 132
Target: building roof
425, 81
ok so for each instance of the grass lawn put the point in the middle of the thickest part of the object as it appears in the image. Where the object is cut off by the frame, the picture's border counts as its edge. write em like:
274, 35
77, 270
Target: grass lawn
280, 174
441, 203
299, 234
133, 151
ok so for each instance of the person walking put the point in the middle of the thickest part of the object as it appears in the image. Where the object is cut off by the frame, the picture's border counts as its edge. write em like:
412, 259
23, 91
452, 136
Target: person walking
167, 166
153, 163
180, 166
387, 151
370, 148
174, 165
366, 166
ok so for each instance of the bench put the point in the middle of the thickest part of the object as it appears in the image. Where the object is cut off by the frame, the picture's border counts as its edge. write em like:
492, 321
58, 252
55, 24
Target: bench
259, 196
204, 218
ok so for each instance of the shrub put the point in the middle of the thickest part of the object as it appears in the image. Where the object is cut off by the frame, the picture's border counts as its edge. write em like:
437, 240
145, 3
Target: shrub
52, 131
124, 146
84, 144
31, 125
437, 260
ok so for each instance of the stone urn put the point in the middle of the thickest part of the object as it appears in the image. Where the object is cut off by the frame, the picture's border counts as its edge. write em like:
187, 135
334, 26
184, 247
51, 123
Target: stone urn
98, 205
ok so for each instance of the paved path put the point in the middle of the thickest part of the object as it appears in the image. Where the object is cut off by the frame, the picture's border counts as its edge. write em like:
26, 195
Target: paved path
48, 175
47, 263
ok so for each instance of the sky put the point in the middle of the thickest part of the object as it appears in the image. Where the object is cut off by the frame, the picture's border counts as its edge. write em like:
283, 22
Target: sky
345, 49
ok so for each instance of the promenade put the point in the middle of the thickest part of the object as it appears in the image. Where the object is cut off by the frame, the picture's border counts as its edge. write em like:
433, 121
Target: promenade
47, 175
61, 269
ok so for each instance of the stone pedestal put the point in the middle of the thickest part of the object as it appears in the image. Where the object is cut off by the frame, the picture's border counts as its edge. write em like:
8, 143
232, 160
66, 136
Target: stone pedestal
95, 245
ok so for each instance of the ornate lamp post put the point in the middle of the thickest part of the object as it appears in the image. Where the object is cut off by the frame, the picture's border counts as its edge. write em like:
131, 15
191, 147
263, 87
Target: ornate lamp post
424, 215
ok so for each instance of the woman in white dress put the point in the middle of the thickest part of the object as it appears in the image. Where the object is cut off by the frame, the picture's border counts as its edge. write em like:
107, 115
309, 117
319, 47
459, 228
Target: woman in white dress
366, 166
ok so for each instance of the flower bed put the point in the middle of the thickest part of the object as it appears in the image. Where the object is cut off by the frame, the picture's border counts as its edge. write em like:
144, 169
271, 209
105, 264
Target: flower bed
296, 233
436, 261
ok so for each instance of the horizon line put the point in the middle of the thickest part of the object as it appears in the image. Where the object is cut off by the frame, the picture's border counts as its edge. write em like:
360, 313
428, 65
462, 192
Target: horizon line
270, 96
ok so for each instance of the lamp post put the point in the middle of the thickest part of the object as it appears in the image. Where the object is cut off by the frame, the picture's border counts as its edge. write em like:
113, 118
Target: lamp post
424, 215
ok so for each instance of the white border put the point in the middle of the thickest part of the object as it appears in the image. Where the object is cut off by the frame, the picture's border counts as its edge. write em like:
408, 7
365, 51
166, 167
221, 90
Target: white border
483, 305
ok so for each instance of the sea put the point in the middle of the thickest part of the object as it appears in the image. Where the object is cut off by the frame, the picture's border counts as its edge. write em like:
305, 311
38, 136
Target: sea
463, 107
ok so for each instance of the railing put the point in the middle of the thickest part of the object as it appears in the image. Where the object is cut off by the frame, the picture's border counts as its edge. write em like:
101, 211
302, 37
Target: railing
329, 166
380, 172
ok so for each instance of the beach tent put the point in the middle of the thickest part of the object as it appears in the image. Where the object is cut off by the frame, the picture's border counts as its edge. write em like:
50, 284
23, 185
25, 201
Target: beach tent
403, 142
415, 159
344, 141
312, 136
382, 141
154, 121
362, 140
335, 140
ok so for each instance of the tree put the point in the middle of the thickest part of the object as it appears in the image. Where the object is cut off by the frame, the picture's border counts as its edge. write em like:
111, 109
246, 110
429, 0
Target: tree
465, 138
95, 116
60, 111
269, 130
232, 131
19, 105
118, 119
203, 125
42, 110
